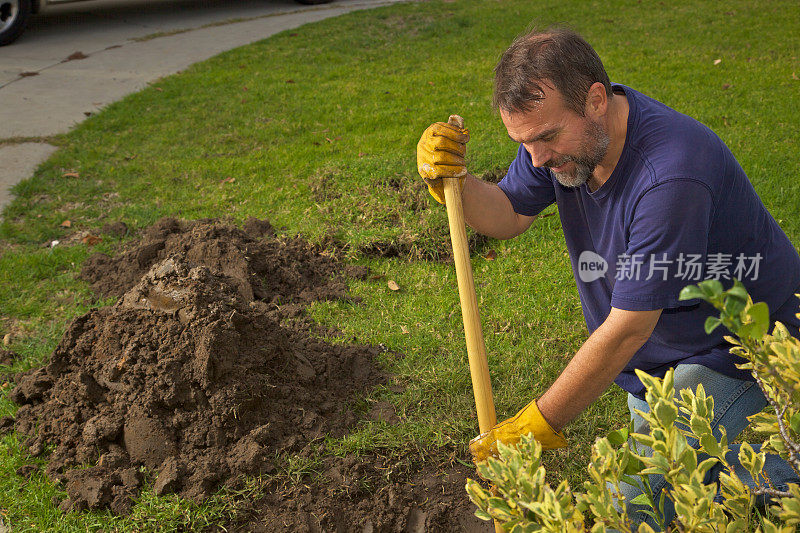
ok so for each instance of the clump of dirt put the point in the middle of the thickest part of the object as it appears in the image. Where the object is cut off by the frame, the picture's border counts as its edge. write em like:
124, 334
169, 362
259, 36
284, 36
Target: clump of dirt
191, 374
115, 229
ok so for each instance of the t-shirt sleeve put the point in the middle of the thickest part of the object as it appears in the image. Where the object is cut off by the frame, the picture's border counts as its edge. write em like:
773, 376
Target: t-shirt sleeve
666, 248
529, 189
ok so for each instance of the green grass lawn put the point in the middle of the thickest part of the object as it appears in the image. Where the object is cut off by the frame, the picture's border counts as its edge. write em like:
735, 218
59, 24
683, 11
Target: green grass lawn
318, 128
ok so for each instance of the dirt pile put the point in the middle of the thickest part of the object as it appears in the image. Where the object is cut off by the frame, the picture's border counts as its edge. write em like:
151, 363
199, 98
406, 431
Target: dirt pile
191, 373
206, 370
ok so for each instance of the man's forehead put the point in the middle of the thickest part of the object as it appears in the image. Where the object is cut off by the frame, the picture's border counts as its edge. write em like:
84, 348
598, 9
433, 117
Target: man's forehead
538, 119
549, 104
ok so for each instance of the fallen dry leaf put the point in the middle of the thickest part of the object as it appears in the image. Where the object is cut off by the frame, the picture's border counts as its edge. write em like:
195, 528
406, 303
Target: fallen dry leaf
66, 224
70, 175
404, 329
229, 179
726, 86
91, 240
289, 81
393, 285
6, 339
491, 255
27, 74
717, 61
794, 76
159, 89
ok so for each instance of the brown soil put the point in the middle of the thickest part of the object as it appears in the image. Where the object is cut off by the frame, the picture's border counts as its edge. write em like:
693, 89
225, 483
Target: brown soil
369, 494
205, 371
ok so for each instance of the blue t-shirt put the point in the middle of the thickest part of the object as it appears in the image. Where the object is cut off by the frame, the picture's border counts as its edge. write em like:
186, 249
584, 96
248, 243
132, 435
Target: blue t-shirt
677, 209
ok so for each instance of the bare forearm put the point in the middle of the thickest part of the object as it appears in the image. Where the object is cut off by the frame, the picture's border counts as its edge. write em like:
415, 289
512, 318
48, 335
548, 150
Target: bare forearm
593, 368
488, 211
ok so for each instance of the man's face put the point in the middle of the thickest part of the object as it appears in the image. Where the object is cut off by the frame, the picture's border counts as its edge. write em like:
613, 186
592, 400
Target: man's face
559, 139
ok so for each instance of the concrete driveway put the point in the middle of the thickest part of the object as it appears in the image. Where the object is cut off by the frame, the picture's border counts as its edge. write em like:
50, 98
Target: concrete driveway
76, 58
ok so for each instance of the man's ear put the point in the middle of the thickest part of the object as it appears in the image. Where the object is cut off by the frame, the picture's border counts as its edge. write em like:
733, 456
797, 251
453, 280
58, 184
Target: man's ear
596, 101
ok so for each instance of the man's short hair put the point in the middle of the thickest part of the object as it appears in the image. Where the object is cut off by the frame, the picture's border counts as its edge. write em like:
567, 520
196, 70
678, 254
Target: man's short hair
556, 56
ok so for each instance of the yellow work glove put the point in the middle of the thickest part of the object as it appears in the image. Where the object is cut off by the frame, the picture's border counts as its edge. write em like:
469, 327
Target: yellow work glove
528, 420
440, 154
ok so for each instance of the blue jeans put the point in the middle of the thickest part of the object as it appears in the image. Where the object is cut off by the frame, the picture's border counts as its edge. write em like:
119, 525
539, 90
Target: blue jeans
734, 401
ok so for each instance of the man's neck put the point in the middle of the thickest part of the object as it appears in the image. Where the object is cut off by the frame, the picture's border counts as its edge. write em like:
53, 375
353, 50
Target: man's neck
617, 124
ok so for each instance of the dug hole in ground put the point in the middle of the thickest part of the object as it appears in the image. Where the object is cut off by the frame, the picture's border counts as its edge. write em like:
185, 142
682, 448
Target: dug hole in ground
205, 371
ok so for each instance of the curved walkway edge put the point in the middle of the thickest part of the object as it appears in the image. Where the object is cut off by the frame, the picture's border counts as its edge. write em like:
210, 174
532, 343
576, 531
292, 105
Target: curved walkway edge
61, 95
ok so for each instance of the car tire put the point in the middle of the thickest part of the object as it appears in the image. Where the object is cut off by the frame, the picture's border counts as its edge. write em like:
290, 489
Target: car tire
313, 2
14, 15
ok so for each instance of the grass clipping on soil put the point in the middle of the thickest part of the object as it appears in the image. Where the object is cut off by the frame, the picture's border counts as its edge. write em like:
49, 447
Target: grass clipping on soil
193, 373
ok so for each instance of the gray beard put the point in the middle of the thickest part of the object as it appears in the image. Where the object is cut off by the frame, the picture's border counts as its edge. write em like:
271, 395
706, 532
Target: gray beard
597, 142
580, 176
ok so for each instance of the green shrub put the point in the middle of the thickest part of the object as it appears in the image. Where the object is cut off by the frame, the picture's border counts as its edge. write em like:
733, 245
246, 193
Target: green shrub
523, 502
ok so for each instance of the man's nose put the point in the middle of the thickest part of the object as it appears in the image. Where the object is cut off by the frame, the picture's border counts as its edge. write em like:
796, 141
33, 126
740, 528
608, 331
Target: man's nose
539, 154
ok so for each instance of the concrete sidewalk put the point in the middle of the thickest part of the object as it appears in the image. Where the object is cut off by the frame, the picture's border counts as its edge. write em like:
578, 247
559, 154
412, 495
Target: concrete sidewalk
44, 93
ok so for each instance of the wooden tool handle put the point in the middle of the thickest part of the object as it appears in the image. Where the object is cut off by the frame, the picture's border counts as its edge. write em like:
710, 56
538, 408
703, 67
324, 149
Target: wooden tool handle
476, 348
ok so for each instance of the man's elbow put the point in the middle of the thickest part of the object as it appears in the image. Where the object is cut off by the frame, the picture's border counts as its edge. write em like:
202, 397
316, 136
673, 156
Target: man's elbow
635, 340
633, 327
518, 225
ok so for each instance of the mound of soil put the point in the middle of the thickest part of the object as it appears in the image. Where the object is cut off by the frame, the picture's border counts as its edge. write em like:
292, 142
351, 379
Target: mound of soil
191, 373
205, 371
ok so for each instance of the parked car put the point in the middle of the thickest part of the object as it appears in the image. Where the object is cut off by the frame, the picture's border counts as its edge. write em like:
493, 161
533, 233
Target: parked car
14, 15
